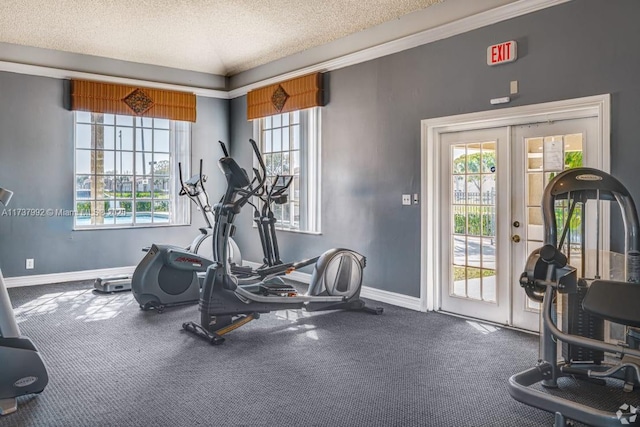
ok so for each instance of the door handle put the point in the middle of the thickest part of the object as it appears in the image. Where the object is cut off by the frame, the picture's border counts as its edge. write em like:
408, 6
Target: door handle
515, 238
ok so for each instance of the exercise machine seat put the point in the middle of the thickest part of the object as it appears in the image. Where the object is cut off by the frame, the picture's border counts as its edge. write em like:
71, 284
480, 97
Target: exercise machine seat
615, 301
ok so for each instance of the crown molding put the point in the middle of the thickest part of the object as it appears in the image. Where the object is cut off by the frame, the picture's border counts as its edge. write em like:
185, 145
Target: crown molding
59, 73
483, 19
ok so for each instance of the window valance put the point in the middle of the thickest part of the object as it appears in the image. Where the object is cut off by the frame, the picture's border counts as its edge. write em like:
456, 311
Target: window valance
112, 98
290, 95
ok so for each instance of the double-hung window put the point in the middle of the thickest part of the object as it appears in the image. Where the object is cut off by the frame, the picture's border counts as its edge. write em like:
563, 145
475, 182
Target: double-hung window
126, 170
290, 145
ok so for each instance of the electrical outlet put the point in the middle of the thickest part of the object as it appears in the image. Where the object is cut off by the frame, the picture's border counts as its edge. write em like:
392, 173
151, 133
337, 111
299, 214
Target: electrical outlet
406, 199
30, 264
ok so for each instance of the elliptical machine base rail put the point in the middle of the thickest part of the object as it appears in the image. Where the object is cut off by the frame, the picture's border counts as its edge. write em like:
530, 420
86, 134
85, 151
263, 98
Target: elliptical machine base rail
112, 284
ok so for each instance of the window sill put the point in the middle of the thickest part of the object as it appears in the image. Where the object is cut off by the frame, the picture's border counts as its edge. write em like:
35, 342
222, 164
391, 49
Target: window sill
127, 227
313, 233
287, 230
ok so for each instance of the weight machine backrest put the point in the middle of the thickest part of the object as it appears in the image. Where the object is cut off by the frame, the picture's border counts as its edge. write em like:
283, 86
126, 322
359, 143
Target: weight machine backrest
614, 301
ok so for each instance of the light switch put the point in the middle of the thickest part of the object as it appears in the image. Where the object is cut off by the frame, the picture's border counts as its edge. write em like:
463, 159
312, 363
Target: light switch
513, 87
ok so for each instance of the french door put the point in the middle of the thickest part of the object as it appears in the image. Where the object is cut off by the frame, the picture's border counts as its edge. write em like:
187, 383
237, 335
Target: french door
474, 188
492, 181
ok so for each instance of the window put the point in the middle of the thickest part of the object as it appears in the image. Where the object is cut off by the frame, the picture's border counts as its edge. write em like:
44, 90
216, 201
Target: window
126, 170
290, 145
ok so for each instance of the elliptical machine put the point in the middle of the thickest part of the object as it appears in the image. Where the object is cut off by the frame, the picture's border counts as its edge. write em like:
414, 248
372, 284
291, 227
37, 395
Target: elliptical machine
225, 305
194, 189
23, 371
265, 220
170, 275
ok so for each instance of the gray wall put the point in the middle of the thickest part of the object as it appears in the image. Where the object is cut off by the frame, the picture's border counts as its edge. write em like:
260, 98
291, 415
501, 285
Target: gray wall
371, 125
36, 162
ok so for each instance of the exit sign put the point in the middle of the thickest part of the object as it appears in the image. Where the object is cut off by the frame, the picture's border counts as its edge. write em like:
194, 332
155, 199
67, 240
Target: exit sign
502, 52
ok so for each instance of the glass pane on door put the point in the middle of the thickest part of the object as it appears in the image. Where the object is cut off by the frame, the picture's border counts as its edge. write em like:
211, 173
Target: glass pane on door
473, 221
546, 157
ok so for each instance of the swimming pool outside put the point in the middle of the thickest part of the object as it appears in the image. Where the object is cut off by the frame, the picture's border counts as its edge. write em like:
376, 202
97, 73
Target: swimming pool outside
124, 219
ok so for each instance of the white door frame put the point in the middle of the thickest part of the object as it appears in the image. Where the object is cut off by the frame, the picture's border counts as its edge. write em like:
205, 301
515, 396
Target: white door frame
431, 129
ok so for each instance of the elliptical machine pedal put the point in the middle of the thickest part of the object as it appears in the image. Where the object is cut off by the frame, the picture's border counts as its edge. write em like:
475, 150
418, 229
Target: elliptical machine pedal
277, 286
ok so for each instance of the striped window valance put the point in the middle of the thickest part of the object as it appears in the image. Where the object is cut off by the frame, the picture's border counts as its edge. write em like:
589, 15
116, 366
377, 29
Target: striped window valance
290, 95
111, 98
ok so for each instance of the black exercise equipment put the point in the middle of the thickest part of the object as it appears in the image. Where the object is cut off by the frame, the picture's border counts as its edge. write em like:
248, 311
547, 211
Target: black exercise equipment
266, 221
170, 275
225, 304
588, 302
271, 193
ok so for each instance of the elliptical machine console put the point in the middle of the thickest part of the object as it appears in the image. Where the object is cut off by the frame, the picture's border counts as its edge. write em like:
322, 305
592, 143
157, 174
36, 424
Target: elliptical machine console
225, 305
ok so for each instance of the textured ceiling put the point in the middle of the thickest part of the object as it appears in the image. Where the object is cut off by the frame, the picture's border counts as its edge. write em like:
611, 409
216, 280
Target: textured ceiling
213, 36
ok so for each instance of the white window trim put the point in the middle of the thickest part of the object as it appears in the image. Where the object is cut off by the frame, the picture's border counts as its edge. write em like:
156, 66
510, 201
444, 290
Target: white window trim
313, 128
314, 167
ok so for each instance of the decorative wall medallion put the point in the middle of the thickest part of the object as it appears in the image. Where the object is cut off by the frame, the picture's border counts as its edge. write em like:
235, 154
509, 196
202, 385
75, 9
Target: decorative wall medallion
138, 101
279, 98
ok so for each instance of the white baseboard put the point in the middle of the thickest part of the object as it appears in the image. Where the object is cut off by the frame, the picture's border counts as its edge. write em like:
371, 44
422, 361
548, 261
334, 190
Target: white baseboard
46, 279
379, 295
392, 298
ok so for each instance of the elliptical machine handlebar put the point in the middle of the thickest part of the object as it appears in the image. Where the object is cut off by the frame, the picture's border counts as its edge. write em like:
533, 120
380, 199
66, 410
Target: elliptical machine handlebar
238, 179
261, 178
224, 149
190, 187
193, 188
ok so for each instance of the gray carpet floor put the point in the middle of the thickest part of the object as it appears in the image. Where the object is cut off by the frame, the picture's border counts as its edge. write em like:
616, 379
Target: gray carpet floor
110, 364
